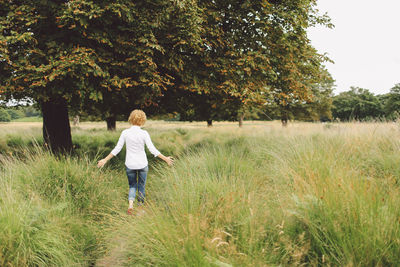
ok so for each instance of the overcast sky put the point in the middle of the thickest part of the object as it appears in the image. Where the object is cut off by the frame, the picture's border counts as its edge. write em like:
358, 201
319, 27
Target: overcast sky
365, 43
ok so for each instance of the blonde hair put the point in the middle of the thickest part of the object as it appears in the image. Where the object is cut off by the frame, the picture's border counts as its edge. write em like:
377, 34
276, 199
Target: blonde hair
137, 117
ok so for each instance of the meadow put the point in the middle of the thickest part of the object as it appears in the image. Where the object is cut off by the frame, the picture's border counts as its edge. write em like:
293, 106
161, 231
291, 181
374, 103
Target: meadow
308, 194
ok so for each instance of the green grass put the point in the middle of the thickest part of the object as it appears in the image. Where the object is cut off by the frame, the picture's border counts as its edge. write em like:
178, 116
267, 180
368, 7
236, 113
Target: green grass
29, 119
305, 195
50, 209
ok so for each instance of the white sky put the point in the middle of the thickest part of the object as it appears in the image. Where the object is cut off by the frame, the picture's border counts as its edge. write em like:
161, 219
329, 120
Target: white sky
365, 43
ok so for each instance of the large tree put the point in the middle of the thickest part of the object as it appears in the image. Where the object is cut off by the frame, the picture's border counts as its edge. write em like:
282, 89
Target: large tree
107, 55
251, 51
65, 53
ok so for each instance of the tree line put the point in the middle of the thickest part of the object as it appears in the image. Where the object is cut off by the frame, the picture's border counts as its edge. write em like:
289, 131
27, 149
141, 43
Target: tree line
13, 113
355, 104
360, 104
205, 60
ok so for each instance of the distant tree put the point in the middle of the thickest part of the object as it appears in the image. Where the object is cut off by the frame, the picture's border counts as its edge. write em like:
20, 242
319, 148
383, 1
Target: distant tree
4, 116
391, 102
31, 111
358, 104
15, 113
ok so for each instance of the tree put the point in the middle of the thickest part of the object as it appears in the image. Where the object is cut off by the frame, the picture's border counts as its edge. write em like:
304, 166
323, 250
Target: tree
106, 57
298, 66
249, 49
358, 104
391, 102
69, 54
318, 107
160, 41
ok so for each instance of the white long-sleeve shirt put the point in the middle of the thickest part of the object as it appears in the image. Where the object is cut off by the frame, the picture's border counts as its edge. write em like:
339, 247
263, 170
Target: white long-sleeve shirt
135, 139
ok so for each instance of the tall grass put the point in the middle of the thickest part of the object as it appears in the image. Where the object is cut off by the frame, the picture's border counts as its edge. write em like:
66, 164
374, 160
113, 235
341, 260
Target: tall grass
50, 210
328, 198
309, 194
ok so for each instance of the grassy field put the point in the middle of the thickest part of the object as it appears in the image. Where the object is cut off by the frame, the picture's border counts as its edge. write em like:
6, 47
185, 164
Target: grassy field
261, 195
29, 119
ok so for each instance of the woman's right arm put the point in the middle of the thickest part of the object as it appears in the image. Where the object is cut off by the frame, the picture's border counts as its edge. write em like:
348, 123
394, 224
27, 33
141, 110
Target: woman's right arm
102, 162
114, 152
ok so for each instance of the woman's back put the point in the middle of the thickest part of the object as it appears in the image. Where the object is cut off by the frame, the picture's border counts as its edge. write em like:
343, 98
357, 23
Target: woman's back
135, 138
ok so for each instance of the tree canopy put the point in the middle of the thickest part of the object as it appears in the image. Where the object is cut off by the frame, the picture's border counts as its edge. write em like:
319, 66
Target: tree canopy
255, 51
217, 57
73, 53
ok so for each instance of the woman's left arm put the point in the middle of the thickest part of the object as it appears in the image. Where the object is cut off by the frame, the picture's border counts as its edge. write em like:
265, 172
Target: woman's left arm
155, 152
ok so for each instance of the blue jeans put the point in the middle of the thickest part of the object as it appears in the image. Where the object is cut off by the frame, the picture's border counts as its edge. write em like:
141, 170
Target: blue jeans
137, 179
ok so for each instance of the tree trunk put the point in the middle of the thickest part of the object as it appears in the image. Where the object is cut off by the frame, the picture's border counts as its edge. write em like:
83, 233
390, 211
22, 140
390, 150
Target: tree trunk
56, 128
111, 123
209, 123
241, 118
284, 117
76, 120
284, 122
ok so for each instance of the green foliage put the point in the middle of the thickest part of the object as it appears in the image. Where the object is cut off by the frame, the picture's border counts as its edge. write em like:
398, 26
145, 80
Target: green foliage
19, 113
252, 52
317, 108
100, 56
4, 115
15, 113
358, 104
392, 102
31, 111
92, 50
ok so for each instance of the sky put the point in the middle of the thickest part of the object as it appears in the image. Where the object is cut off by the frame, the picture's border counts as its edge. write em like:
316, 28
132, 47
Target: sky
365, 43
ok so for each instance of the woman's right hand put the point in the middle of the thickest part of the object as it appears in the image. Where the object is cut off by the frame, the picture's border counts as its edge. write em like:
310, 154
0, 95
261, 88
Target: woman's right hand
101, 163
104, 161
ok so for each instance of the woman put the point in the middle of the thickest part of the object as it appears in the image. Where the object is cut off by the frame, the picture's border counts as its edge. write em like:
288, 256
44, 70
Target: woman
136, 160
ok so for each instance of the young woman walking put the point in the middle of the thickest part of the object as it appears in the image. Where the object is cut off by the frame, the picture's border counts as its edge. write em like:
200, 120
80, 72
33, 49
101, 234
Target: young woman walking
136, 161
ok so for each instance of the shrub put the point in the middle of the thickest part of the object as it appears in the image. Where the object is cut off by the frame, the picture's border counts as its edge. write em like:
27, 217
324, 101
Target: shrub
15, 113
4, 116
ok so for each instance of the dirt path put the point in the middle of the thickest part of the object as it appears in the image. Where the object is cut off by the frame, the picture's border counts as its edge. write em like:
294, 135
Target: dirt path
115, 257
